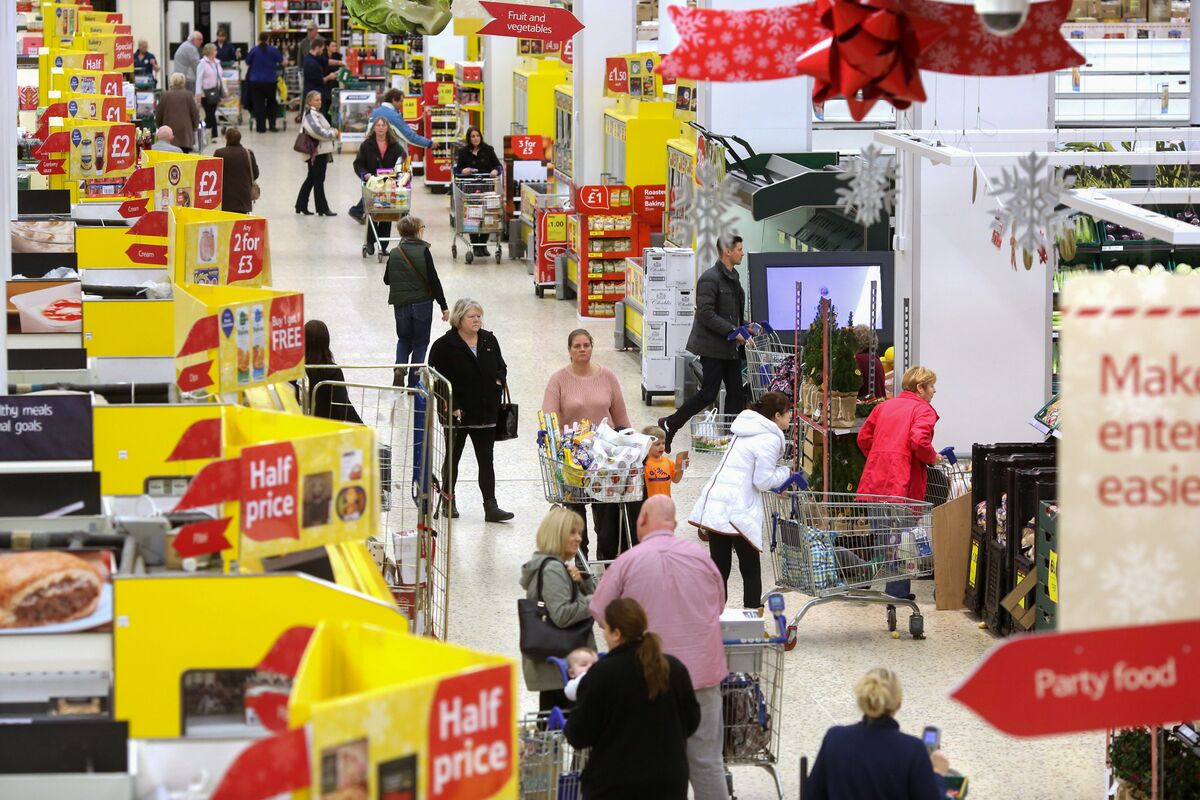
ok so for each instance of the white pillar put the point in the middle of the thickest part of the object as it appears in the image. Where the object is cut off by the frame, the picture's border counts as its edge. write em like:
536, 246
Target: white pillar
8, 166
499, 61
609, 30
1194, 52
146, 17
981, 326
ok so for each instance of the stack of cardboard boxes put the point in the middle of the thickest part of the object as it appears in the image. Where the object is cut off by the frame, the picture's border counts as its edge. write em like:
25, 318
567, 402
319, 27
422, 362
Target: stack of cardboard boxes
670, 306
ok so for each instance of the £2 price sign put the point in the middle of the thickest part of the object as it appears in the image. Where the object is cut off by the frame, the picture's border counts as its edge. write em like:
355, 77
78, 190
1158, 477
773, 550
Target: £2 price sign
210, 175
247, 243
122, 150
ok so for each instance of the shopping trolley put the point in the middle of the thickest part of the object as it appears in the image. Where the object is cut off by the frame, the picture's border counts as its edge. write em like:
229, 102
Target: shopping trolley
478, 211
752, 699
770, 365
413, 431
948, 479
550, 769
385, 199
836, 547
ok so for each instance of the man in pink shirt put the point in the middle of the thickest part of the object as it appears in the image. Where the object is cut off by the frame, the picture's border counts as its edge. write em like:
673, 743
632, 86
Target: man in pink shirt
683, 594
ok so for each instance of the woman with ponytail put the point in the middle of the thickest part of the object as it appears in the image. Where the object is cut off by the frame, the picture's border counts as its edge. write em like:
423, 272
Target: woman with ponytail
636, 710
873, 760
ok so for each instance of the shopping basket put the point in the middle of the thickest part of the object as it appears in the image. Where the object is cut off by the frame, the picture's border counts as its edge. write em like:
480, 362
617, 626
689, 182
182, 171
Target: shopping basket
840, 547
550, 769
710, 432
947, 480
770, 365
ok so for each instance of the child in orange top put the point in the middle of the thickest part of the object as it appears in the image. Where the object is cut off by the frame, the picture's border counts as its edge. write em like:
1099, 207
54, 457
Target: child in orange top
661, 471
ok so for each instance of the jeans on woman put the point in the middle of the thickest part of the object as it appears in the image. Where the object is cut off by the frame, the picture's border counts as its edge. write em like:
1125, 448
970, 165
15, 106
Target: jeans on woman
721, 548
483, 440
413, 321
314, 183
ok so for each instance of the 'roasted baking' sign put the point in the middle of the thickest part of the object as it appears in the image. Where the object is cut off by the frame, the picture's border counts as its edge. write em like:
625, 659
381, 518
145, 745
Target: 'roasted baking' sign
46, 428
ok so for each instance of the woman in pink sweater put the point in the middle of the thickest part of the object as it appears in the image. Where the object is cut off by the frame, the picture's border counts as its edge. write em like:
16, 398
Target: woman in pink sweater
583, 390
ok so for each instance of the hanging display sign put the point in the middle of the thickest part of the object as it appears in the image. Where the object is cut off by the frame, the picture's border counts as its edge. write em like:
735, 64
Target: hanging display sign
117, 50
96, 107
633, 75
101, 150
218, 248
650, 201
528, 148
536, 48
522, 21
601, 198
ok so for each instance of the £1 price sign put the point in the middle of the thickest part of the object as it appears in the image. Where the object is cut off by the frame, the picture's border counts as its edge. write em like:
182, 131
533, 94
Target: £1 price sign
122, 150
209, 179
247, 245
528, 148
594, 199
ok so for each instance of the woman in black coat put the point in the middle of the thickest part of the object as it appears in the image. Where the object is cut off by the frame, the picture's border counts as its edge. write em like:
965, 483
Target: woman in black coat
331, 401
636, 710
469, 358
475, 158
380, 150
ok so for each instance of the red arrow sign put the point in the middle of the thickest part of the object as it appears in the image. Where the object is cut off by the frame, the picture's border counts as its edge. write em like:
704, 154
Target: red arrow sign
202, 439
216, 483
57, 142
197, 376
53, 166
202, 336
153, 223
136, 208
1092, 680
202, 538
147, 254
142, 180
530, 22
268, 767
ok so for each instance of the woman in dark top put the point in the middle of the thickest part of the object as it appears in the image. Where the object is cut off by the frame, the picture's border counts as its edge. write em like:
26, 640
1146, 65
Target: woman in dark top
240, 173
380, 150
469, 358
476, 158
413, 287
873, 760
636, 710
315, 77
330, 401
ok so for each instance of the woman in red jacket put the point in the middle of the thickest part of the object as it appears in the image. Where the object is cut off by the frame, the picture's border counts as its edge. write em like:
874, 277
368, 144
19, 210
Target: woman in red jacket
897, 440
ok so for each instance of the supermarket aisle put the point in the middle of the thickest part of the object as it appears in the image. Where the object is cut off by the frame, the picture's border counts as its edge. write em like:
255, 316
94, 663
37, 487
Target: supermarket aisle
321, 257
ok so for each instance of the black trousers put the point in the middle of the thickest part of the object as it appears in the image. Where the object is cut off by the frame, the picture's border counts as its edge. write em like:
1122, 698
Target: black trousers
262, 98
551, 698
382, 230
483, 440
314, 183
715, 372
210, 119
721, 547
606, 517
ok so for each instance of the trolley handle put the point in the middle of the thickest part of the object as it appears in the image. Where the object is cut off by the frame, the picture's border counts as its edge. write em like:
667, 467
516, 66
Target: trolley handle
949, 454
776, 604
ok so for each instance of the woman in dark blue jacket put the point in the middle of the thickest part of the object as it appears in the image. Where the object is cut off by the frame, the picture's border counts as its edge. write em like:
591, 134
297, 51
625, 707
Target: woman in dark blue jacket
873, 760
262, 76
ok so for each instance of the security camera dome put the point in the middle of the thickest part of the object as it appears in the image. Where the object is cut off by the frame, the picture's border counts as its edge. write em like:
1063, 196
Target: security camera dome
1002, 17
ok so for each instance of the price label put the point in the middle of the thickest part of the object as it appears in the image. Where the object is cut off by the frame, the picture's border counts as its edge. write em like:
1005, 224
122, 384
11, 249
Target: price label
114, 109
122, 52
594, 198
93, 61
445, 94
411, 109
527, 148
112, 84
247, 241
568, 51
555, 227
616, 76
209, 180
1052, 578
122, 153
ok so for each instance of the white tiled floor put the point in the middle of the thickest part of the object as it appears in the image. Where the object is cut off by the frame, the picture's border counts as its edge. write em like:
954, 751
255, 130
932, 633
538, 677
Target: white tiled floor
321, 257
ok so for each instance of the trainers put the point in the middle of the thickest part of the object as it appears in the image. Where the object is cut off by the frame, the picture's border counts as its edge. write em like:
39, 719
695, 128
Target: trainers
662, 423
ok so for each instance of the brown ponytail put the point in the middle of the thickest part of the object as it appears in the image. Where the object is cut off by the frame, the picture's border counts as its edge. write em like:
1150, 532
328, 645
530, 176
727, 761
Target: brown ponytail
771, 403
628, 617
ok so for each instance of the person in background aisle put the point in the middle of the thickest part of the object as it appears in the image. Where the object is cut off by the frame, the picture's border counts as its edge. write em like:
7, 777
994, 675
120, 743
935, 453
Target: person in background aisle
729, 509
683, 594
177, 110
636, 710
391, 109
470, 359
661, 471
315, 78
476, 158
414, 286
333, 57
585, 390
225, 49
317, 127
163, 138
566, 590
329, 401
305, 45
240, 173
380, 150
263, 63
210, 87
144, 62
866, 339
720, 310
872, 759
187, 56
897, 440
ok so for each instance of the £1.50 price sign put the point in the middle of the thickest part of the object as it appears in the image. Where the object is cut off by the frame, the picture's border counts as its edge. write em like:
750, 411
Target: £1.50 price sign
616, 76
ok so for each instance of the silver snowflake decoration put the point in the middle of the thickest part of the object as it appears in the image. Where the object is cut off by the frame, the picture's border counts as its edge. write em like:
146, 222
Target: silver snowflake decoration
1028, 195
870, 186
700, 208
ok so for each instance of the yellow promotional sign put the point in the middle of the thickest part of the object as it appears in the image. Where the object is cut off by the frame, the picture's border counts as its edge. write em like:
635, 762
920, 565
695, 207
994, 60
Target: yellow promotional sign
116, 48
183, 179
410, 108
556, 226
98, 107
445, 94
61, 20
633, 75
83, 81
218, 248
54, 58
231, 338
128, 463
101, 149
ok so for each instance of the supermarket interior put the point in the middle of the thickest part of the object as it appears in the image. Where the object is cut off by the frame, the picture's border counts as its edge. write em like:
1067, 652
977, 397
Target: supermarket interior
694, 278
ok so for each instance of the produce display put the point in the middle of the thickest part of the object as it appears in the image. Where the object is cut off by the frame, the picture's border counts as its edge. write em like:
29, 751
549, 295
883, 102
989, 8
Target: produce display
393, 17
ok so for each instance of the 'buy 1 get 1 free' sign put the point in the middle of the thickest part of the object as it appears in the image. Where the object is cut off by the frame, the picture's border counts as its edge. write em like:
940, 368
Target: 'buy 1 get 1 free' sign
1129, 498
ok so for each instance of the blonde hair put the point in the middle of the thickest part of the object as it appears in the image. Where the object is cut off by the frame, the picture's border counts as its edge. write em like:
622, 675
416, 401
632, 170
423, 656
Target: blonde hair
462, 308
176, 81
655, 431
556, 528
917, 376
879, 693
310, 96
864, 337
210, 49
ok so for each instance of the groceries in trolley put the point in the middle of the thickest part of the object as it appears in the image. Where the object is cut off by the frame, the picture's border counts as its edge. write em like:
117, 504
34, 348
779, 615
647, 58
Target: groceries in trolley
710, 433
582, 463
388, 190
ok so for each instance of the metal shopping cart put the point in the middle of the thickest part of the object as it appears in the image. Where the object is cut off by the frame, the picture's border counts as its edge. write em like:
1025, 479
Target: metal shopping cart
838, 547
478, 211
752, 699
550, 768
229, 112
413, 431
947, 480
770, 365
385, 199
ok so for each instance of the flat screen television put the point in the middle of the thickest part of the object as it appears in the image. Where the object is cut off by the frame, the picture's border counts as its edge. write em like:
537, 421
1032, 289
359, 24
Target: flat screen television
844, 277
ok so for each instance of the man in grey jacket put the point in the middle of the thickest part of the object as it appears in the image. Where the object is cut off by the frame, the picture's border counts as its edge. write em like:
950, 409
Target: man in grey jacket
187, 58
720, 310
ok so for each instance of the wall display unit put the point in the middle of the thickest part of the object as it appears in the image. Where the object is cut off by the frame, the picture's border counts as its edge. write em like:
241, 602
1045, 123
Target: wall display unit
564, 106
603, 232
468, 92
635, 138
1133, 80
287, 21
533, 95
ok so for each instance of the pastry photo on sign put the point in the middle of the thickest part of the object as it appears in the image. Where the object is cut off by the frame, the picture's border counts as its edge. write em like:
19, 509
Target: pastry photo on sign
53, 591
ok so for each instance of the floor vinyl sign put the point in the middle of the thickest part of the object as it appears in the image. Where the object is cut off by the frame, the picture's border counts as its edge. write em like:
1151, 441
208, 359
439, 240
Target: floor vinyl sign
46, 428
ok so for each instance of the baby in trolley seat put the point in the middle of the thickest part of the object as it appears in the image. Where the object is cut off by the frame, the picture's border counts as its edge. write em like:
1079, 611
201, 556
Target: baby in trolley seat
579, 661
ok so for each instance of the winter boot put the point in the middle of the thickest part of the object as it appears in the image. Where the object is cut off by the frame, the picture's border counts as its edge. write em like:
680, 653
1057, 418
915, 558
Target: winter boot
494, 513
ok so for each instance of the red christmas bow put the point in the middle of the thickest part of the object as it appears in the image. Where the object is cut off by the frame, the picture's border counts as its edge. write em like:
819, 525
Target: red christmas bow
872, 54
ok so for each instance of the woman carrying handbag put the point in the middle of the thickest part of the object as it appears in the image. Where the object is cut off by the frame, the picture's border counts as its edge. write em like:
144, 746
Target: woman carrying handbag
469, 358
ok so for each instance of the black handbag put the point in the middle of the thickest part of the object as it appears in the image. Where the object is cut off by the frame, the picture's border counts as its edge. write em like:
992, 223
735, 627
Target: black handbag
540, 637
506, 420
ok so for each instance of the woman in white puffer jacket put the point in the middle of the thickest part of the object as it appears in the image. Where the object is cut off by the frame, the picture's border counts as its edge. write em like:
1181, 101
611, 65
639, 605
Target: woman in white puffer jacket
729, 512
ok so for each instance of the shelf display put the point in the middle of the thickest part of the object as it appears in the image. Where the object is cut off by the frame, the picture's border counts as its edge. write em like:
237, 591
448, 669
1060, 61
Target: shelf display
442, 125
602, 233
564, 119
635, 139
1132, 80
534, 84
287, 22
468, 93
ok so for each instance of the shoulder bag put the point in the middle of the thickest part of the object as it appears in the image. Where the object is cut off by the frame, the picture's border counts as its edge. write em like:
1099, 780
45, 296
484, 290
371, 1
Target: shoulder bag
506, 420
213, 95
305, 145
540, 637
